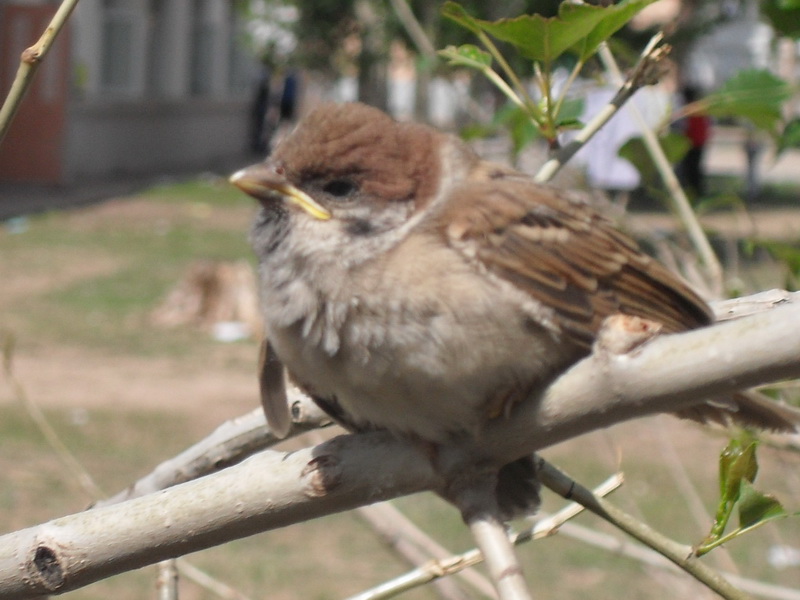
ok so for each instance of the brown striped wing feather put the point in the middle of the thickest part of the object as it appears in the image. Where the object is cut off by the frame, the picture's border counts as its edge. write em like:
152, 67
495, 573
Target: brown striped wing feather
571, 259
566, 256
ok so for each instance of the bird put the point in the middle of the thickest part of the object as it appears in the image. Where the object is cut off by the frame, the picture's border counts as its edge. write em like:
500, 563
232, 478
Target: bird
409, 285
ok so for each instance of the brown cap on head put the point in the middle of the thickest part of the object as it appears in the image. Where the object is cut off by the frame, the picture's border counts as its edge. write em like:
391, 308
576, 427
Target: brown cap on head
390, 160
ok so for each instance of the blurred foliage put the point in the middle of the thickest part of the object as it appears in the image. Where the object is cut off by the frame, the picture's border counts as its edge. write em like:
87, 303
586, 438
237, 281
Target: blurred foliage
755, 95
322, 26
674, 144
786, 253
576, 30
783, 15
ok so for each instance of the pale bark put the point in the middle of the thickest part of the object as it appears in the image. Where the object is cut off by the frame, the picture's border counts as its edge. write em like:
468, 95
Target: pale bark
230, 443
274, 489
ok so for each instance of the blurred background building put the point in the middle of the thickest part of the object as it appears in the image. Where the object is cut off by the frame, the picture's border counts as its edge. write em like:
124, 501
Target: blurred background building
137, 88
132, 88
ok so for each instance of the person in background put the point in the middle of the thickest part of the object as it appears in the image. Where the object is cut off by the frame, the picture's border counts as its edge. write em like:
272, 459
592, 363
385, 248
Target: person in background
289, 96
273, 106
697, 129
259, 140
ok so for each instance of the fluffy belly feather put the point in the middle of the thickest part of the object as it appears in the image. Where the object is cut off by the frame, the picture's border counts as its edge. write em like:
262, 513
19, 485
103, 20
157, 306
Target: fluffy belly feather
416, 376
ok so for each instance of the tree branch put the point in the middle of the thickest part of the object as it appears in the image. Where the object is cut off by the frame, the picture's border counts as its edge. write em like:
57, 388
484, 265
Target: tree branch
29, 62
415, 31
455, 564
230, 443
679, 200
643, 554
272, 489
640, 76
680, 554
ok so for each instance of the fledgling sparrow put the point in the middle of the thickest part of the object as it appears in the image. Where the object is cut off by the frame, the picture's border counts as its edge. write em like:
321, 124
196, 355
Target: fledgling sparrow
409, 285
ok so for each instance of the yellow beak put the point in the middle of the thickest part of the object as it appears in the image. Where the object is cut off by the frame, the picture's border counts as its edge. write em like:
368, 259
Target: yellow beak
262, 183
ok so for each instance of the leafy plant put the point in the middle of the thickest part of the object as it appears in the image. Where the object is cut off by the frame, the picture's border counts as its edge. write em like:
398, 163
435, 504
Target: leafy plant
674, 145
788, 254
738, 468
783, 15
578, 30
755, 95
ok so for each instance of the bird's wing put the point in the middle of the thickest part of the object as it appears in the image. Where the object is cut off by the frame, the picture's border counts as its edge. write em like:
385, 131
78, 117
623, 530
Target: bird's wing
565, 256
272, 385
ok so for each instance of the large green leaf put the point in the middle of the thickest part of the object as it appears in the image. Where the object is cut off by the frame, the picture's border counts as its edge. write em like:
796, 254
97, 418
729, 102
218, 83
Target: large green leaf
790, 136
615, 17
675, 146
518, 124
756, 508
737, 464
755, 95
467, 55
578, 27
783, 15
456, 12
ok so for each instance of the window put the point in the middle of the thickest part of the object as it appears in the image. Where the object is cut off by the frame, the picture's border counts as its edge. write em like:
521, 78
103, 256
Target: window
204, 41
121, 48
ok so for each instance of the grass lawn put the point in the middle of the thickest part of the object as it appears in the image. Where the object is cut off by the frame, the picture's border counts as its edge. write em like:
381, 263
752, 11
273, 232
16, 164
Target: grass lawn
78, 292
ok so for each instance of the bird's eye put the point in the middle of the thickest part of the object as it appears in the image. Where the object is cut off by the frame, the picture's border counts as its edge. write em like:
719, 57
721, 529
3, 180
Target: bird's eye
340, 188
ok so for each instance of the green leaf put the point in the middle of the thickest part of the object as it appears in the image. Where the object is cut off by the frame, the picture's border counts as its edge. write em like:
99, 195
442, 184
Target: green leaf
722, 201
519, 126
456, 12
785, 252
755, 508
569, 113
615, 18
737, 462
578, 27
467, 55
755, 95
783, 15
675, 146
545, 39
790, 137
476, 131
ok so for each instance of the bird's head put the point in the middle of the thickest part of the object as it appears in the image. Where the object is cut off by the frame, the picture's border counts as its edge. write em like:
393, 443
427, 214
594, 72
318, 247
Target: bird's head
350, 166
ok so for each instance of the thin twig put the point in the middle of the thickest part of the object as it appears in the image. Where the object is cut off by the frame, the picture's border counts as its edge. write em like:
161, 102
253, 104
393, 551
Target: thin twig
413, 28
527, 102
576, 70
167, 580
412, 544
504, 567
680, 201
204, 580
680, 554
627, 88
635, 551
73, 465
675, 466
456, 563
400, 535
29, 61
231, 442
